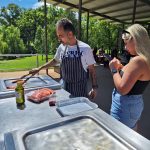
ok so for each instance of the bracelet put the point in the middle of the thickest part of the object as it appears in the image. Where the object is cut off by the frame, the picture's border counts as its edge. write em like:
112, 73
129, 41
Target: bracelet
95, 86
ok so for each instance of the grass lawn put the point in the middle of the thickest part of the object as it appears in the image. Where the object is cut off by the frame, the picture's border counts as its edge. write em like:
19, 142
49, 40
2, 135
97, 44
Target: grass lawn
22, 63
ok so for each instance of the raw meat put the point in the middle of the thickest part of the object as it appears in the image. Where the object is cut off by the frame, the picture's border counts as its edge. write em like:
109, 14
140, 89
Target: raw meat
11, 87
40, 94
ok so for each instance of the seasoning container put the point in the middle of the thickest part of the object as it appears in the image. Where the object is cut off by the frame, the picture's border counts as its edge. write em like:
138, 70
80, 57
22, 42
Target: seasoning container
52, 102
19, 92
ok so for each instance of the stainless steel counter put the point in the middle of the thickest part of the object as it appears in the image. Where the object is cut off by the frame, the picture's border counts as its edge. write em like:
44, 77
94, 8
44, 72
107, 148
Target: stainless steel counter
111, 135
12, 118
16, 125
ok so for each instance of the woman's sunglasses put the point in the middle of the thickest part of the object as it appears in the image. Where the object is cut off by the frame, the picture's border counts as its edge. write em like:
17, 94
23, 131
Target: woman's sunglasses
126, 35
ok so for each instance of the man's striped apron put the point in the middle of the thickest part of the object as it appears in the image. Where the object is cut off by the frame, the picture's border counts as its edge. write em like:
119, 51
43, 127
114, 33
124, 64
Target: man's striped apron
74, 75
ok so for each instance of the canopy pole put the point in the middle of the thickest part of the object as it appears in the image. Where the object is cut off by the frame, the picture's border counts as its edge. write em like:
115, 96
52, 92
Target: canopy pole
87, 27
148, 29
45, 24
122, 43
134, 11
79, 19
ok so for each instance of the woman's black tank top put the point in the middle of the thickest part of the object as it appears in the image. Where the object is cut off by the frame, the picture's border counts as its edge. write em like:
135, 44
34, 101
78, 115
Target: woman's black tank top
138, 87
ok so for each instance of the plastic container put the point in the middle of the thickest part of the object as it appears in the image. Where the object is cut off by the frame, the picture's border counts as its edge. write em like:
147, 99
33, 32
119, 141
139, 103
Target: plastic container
74, 105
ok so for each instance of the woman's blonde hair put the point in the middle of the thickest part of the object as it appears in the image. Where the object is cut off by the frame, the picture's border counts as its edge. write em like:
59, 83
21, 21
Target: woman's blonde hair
141, 40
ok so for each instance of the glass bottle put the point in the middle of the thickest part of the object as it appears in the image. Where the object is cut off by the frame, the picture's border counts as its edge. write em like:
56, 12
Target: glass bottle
19, 92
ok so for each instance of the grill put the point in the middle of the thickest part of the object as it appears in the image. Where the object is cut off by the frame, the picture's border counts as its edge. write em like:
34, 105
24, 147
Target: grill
79, 133
7, 87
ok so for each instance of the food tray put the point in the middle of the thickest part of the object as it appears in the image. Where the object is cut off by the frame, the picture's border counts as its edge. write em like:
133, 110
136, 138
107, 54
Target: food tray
32, 82
74, 105
82, 133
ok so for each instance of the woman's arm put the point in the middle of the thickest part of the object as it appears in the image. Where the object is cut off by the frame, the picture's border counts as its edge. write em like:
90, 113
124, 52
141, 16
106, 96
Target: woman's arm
132, 72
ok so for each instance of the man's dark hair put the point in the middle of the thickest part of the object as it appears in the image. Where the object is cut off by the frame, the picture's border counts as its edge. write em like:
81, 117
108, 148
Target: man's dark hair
66, 24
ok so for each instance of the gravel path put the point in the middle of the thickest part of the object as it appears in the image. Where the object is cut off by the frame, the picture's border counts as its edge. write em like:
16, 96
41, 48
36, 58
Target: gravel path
21, 73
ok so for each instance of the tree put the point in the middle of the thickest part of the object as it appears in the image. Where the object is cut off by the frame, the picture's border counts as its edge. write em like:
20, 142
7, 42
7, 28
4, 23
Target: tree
38, 42
28, 23
102, 33
10, 14
11, 42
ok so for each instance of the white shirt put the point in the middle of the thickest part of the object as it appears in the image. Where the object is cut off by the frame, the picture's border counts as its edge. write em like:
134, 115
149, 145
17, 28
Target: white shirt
71, 51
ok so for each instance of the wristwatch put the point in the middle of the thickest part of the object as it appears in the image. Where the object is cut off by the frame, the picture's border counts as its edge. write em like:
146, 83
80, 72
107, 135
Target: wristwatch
113, 71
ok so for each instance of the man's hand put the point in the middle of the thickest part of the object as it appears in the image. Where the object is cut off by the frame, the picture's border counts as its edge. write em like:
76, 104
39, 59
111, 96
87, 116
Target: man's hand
92, 94
34, 71
45, 66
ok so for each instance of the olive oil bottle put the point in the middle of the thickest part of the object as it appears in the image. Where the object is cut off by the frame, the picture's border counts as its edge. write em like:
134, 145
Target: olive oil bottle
19, 92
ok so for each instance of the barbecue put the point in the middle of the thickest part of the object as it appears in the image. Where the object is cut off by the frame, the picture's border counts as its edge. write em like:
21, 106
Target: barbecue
7, 86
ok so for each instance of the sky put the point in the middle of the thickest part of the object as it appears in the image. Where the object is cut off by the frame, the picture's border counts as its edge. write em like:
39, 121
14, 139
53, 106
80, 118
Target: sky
22, 3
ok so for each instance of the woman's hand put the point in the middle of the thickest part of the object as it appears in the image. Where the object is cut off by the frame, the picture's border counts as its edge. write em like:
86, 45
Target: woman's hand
115, 64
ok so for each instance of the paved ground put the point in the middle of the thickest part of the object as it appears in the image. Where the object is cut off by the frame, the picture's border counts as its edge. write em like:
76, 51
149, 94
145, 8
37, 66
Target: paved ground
21, 73
103, 98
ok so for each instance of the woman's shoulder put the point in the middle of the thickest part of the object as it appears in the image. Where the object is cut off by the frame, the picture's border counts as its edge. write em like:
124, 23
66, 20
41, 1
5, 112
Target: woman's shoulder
143, 67
139, 64
138, 60
135, 64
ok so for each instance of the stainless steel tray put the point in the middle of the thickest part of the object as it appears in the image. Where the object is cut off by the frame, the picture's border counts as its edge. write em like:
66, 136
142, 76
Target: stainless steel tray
78, 133
74, 105
32, 84
2, 145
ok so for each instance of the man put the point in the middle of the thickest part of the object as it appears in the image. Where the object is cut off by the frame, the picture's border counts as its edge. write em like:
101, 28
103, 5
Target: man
75, 58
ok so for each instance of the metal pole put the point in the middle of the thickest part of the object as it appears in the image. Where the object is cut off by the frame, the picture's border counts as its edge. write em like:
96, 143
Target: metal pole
45, 24
122, 43
37, 60
148, 29
134, 11
119, 40
87, 28
79, 19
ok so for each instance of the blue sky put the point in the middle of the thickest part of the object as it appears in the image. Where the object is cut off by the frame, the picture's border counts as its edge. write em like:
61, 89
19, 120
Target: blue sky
21, 3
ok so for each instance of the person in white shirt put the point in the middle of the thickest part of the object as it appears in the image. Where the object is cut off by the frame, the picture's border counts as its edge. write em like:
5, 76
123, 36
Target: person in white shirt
76, 61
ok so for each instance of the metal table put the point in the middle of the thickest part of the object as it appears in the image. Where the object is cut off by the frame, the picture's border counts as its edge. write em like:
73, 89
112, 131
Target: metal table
12, 118
118, 135
38, 117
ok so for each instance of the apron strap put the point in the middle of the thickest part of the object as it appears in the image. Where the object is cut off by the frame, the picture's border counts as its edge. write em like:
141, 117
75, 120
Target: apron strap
78, 49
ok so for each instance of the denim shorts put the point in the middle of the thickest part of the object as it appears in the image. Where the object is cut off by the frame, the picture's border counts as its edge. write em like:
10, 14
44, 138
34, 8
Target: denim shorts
126, 108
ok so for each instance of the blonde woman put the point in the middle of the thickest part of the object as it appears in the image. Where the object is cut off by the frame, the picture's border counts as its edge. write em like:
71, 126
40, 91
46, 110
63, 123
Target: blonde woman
131, 80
